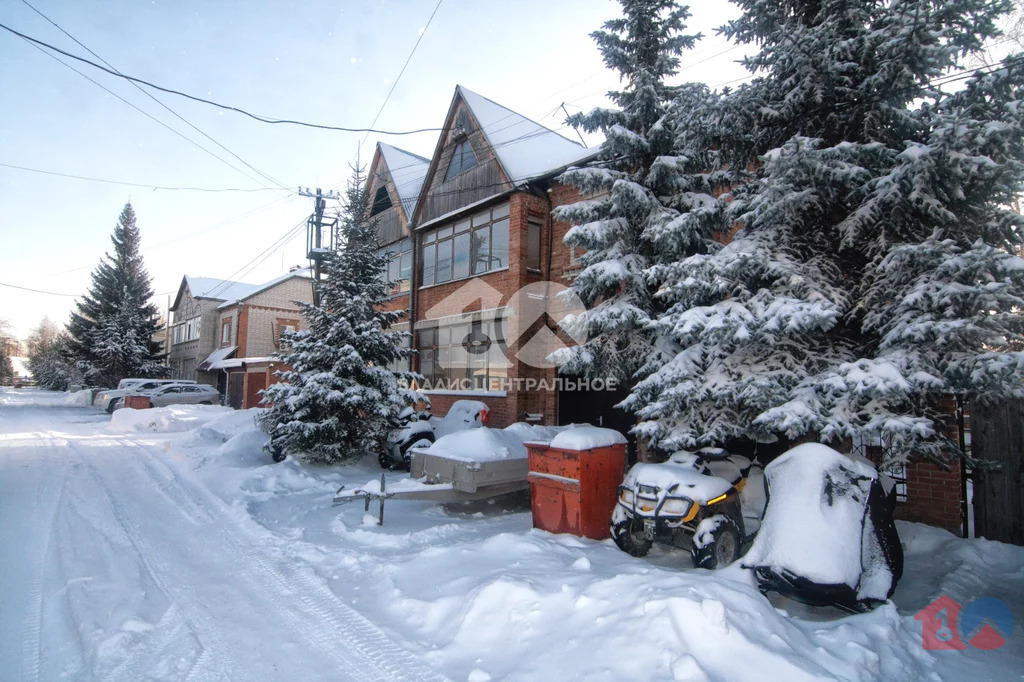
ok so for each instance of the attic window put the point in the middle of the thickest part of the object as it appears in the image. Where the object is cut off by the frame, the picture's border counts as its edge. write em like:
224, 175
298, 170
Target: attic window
381, 201
462, 160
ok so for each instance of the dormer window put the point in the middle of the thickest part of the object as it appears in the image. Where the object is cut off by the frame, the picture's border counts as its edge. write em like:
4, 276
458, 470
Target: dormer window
462, 160
381, 201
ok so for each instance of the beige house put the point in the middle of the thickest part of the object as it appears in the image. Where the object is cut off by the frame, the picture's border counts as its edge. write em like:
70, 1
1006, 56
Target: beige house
223, 331
249, 332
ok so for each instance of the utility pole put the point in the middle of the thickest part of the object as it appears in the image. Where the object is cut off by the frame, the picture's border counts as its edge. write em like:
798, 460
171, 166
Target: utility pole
319, 233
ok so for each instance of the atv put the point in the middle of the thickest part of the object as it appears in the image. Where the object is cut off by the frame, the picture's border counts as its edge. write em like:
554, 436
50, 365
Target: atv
693, 498
412, 429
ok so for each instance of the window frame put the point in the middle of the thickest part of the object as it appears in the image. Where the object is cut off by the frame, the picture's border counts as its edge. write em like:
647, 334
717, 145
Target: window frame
459, 153
442, 241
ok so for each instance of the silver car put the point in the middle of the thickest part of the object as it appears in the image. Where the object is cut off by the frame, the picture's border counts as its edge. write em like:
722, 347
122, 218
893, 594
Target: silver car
113, 399
185, 394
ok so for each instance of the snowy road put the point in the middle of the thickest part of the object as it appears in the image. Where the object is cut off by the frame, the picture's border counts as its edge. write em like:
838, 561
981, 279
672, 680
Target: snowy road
116, 565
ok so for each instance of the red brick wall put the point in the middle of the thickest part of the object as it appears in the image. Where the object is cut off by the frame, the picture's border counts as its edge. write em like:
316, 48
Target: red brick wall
933, 496
934, 493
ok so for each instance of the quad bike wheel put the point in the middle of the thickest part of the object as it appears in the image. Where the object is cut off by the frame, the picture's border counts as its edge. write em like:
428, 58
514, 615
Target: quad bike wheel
114, 405
425, 441
629, 535
721, 548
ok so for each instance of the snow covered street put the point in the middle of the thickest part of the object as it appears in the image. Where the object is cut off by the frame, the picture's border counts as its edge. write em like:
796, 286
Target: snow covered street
164, 545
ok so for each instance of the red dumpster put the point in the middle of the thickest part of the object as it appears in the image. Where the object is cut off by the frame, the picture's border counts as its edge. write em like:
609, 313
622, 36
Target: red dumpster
138, 402
574, 480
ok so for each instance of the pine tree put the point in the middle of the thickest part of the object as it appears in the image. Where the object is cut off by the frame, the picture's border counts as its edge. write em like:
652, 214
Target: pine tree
112, 329
49, 356
616, 231
870, 274
339, 399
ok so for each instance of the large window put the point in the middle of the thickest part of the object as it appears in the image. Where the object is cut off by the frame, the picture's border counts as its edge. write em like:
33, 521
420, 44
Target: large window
399, 268
471, 246
186, 331
462, 160
468, 357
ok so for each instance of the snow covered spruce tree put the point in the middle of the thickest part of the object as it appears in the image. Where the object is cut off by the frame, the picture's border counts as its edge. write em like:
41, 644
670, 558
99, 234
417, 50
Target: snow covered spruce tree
614, 231
339, 399
871, 273
112, 329
6, 366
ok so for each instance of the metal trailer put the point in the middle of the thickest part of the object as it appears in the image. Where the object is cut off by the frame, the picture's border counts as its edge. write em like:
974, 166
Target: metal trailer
444, 479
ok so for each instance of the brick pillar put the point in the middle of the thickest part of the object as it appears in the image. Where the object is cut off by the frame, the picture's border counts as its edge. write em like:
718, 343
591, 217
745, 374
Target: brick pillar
933, 496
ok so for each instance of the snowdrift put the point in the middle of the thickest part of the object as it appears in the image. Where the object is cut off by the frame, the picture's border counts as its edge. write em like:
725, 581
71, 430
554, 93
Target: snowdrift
169, 419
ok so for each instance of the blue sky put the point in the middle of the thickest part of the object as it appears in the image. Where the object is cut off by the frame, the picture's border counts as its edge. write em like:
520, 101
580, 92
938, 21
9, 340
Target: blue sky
324, 62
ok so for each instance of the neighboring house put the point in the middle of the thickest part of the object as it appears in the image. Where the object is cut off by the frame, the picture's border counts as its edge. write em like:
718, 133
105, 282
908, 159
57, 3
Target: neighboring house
221, 331
249, 331
195, 324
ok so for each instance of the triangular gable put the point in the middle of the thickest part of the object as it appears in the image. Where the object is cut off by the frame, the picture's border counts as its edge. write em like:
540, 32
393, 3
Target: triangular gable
407, 171
510, 149
525, 148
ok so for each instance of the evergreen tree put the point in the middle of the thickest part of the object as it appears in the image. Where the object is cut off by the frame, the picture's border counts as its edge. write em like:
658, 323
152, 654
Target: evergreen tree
615, 231
49, 357
6, 366
112, 329
339, 399
870, 274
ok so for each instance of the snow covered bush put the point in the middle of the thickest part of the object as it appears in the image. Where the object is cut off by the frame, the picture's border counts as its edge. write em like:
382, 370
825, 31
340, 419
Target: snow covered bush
338, 401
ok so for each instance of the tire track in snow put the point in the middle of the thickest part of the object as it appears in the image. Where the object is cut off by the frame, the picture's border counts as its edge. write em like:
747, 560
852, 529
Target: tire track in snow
345, 627
32, 654
141, 659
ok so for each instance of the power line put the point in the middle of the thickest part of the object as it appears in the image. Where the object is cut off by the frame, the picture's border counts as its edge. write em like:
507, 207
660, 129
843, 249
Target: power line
144, 113
257, 117
37, 291
147, 94
138, 184
407, 60
256, 260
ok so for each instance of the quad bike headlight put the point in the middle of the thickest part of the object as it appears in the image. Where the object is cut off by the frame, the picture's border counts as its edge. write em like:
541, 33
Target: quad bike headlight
676, 507
626, 495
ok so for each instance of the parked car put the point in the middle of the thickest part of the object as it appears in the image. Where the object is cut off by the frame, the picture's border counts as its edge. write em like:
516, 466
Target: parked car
184, 394
113, 399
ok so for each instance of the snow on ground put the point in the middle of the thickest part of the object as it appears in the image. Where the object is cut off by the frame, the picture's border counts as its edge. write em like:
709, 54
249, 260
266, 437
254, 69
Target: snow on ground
165, 552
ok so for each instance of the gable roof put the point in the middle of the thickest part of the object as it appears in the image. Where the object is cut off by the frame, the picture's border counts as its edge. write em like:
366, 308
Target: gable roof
305, 273
525, 149
212, 288
408, 171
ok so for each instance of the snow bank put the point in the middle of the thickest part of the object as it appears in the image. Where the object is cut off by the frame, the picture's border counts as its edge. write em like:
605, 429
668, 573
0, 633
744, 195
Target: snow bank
816, 533
79, 398
587, 438
166, 419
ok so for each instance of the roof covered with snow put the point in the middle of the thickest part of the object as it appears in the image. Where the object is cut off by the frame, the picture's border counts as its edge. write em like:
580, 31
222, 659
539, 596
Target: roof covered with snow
211, 287
525, 148
408, 172
305, 273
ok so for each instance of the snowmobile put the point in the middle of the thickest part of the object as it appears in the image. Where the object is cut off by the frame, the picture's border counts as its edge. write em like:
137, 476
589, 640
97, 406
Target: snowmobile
693, 498
828, 537
412, 429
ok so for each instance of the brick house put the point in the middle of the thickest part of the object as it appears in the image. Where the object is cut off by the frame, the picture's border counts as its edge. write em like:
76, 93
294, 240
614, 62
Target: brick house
480, 230
477, 232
